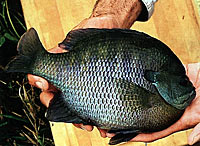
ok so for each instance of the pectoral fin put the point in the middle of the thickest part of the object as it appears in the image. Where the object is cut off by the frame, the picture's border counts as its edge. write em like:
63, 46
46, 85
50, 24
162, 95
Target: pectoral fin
161, 81
151, 76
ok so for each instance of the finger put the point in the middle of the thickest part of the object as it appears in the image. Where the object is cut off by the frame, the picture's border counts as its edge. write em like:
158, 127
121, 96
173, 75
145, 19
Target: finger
84, 127
87, 127
145, 137
77, 125
110, 135
102, 132
41, 83
194, 73
150, 137
38, 82
46, 97
194, 135
57, 50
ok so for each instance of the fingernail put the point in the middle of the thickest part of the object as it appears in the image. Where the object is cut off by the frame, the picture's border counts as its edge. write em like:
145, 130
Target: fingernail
110, 135
39, 85
195, 139
82, 127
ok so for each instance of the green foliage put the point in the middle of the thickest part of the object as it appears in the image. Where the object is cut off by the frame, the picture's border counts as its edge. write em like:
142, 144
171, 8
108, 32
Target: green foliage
5, 31
7, 28
22, 117
22, 120
12, 26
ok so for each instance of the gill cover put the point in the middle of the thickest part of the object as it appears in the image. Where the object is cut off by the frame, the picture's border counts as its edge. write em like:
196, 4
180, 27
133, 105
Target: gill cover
176, 90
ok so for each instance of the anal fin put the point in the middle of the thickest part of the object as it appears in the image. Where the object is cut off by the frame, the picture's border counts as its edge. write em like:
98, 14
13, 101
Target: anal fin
58, 111
122, 136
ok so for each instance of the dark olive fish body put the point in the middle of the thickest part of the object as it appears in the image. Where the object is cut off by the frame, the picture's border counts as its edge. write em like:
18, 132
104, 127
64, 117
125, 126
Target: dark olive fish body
121, 80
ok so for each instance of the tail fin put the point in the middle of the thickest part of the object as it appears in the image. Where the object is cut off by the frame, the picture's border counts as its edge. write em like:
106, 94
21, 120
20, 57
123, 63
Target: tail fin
29, 46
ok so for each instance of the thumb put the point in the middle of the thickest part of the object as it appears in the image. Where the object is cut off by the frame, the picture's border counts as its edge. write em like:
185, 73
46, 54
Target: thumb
194, 135
38, 82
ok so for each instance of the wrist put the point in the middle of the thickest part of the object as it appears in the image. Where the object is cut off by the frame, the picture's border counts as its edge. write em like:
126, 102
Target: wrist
121, 12
108, 20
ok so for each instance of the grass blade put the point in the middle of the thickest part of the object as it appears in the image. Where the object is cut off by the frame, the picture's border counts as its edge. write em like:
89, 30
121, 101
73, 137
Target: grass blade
3, 124
13, 117
8, 13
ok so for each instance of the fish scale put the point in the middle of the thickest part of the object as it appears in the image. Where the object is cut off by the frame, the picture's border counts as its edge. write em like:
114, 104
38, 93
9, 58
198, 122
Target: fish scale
120, 80
121, 63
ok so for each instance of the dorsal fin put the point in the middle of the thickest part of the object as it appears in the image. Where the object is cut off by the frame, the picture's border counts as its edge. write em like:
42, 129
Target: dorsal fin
74, 37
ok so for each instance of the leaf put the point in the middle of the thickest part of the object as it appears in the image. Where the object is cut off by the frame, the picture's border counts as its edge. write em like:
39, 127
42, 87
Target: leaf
2, 40
22, 25
13, 117
19, 138
10, 37
3, 124
3, 3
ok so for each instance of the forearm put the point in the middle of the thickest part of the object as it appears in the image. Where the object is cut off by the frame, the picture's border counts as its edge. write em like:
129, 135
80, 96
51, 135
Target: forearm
124, 11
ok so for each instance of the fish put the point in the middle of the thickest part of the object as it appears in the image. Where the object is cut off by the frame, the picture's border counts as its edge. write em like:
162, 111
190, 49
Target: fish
121, 80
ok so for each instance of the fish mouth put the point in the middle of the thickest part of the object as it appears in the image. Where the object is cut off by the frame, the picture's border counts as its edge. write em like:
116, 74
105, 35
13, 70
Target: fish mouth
186, 102
190, 97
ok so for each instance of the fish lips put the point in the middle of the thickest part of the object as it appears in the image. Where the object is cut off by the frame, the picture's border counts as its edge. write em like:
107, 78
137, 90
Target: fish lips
186, 102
